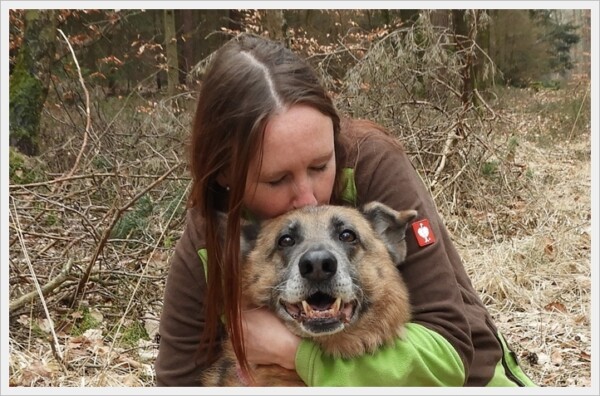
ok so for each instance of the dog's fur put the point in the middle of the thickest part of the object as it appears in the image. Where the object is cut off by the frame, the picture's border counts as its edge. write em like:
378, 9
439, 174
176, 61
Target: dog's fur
330, 273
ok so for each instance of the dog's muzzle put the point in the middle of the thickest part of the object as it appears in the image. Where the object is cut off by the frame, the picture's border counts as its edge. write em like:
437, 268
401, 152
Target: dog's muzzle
320, 313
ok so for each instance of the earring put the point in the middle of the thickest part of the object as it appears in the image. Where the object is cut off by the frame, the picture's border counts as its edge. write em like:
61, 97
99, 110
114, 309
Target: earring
227, 188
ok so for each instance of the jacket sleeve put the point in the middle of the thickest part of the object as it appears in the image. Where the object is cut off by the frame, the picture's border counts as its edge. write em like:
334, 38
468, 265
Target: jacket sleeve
434, 274
422, 358
182, 318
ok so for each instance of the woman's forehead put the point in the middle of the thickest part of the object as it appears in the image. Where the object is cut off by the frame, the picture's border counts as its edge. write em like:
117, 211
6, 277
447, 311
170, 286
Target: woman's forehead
300, 135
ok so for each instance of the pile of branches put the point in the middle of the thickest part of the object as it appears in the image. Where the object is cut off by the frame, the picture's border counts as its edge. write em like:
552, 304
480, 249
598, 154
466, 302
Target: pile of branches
95, 217
422, 82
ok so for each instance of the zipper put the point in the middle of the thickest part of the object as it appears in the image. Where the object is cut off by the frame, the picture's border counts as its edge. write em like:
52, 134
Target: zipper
504, 346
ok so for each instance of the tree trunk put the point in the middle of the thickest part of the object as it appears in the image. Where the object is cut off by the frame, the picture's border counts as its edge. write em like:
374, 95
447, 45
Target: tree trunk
30, 78
274, 23
465, 33
187, 60
171, 49
236, 18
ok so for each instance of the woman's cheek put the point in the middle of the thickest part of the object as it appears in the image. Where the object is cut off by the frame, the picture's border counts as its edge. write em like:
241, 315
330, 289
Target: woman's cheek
268, 204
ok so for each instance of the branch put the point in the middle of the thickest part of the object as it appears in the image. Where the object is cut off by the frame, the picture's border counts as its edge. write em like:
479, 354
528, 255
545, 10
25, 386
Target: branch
81, 176
88, 124
476, 92
45, 290
137, 285
450, 140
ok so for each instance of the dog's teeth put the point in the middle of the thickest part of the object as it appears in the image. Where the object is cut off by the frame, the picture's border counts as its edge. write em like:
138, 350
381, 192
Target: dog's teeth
306, 307
336, 305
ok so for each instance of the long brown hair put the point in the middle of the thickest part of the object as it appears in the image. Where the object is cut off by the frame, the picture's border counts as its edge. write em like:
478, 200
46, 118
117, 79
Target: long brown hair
248, 81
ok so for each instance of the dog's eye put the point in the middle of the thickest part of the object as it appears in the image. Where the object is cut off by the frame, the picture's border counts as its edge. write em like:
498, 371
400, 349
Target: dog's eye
347, 236
286, 241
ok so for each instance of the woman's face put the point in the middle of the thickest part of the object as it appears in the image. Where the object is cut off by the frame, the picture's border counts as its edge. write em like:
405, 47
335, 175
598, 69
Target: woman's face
298, 164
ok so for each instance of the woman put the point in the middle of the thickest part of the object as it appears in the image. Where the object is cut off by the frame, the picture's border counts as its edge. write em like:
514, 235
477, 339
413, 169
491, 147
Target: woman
267, 139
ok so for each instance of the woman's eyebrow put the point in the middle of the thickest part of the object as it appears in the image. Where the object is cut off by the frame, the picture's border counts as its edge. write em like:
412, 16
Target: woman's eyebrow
278, 173
325, 156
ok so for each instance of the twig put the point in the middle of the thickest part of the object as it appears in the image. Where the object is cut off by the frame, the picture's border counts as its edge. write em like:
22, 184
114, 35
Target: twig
45, 290
450, 141
413, 102
39, 290
423, 175
49, 236
456, 176
84, 176
578, 113
476, 92
88, 124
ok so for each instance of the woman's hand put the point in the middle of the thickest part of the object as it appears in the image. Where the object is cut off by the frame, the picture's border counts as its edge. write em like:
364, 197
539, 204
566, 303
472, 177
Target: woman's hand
267, 340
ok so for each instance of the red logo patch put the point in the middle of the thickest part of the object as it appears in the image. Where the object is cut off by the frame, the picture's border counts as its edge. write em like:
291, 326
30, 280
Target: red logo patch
423, 232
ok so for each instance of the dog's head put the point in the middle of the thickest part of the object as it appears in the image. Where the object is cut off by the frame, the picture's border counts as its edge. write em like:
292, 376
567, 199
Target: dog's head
326, 269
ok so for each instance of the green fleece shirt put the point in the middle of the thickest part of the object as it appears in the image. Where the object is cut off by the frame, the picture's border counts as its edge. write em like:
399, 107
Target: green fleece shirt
421, 358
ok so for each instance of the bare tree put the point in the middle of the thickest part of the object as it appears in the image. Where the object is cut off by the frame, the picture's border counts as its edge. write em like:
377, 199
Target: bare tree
171, 48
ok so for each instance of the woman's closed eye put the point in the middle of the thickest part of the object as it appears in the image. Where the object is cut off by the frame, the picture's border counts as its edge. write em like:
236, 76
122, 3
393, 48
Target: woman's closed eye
277, 182
281, 179
320, 168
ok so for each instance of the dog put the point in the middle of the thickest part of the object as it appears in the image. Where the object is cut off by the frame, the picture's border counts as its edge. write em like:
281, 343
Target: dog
330, 274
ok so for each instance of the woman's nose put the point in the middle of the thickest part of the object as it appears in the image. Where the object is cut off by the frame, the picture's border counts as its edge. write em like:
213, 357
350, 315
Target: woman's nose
304, 196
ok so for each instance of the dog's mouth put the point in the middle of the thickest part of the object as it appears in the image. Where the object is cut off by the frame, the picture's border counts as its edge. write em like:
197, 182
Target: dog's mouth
321, 310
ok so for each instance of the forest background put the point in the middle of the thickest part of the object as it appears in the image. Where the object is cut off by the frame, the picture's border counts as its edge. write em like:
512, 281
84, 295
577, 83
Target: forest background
493, 106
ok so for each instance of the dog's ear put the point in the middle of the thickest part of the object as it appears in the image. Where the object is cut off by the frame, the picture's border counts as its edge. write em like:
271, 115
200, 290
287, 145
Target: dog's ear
248, 235
391, 226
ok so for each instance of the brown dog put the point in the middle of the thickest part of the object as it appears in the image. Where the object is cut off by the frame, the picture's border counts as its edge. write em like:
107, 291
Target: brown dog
330, 273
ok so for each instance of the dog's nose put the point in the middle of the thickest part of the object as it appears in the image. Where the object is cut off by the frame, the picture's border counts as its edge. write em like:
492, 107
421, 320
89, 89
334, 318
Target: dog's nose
317, 265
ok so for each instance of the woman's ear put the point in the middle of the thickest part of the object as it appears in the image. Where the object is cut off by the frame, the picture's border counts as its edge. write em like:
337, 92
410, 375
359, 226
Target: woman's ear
223, 179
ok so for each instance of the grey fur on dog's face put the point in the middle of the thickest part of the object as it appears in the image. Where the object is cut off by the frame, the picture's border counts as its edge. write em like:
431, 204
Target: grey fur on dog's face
313, 266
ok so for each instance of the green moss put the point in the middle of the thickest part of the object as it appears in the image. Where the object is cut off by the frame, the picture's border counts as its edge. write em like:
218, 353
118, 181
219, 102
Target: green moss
489, 168
102, 163
169, 241
529, 174
21, 169
513, 143
37, 331
133, 223
50, 219
86, 322
133, 333
27, 96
